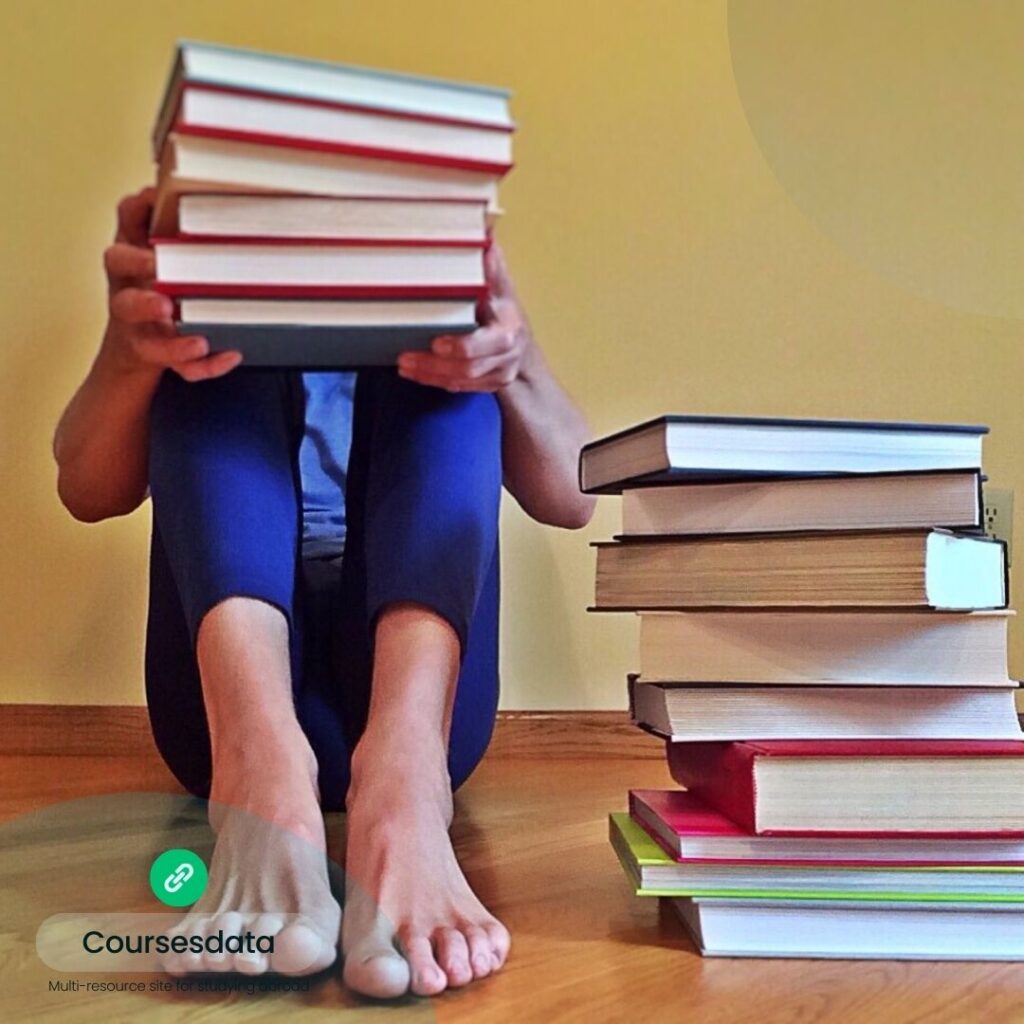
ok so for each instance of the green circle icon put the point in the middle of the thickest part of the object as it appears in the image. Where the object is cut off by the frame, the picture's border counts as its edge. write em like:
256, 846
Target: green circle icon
178, 878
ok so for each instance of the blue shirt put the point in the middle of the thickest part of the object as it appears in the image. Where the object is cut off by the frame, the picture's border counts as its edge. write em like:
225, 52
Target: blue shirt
323, 462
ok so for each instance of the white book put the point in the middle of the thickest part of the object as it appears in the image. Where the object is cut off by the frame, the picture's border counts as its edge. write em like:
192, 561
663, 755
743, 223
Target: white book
850, 648
442, 313
717, 712
262, 216
303, 123
810, 929
255, 263
328, 82
192, 163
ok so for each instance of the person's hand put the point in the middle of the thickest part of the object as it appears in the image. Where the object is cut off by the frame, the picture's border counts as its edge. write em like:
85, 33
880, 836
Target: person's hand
140, 330
489, 359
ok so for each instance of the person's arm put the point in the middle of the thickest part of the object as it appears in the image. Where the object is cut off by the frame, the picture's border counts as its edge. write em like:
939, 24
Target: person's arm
102, 441
543, 430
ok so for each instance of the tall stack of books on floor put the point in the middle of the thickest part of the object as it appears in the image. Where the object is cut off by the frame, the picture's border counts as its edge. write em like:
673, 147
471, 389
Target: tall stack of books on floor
314, 214
823, 645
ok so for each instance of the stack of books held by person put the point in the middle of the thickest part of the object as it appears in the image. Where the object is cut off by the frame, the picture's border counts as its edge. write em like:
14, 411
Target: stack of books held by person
823, 646
317, 214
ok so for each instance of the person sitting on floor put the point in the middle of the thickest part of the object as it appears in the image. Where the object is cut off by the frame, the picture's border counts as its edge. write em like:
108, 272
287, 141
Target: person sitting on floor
323, 616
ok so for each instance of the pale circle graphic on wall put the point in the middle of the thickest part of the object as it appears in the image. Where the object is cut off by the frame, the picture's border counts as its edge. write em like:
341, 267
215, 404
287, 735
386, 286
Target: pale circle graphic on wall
898, 129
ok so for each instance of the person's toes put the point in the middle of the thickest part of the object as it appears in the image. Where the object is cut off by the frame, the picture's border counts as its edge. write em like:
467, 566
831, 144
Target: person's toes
376, 969
301, 949
171, 961
481, 957
453, 956
221, 926
179, 962
427, 978
500, 942
249, 960
192, 958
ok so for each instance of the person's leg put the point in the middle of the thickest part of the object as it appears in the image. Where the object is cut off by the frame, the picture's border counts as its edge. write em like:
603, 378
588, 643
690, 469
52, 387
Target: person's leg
424, 487
226, 520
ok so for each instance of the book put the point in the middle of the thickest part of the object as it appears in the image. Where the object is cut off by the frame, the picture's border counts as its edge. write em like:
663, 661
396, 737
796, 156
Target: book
321, 334
233, 69
275, 120
915, 787
703, 448
923, 569
194, 163
654, 873
852, 648
903, 501
314, 348
688, 829
334, 217
718, 712
850, 930
443, 316
295, 267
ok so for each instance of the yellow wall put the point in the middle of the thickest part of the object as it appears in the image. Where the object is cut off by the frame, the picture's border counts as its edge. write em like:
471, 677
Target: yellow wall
820, 215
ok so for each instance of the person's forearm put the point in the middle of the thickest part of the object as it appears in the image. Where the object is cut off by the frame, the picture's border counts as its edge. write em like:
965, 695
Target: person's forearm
543, 432
102, 441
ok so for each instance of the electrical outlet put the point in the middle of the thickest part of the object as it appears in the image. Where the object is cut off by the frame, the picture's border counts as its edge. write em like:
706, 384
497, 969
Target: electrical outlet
998, 516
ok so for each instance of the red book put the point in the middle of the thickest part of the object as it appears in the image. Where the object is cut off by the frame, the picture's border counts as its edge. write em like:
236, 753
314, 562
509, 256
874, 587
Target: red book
315, 268
691, 832
882, 788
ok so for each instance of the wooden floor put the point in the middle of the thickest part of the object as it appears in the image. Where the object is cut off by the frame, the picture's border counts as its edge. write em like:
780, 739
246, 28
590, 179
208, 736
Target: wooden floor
531, 834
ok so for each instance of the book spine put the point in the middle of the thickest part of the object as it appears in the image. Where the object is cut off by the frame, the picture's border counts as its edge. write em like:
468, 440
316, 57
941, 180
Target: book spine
721, 775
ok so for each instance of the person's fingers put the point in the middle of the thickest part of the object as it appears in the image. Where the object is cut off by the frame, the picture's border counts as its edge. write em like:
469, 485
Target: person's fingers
126, 263
169, 349
137, 306
491, 382
206, 369
415, 365
133, 214
486, 341
496, 274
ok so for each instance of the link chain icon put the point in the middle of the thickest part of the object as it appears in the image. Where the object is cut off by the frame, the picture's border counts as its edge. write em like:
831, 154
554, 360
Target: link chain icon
178, 878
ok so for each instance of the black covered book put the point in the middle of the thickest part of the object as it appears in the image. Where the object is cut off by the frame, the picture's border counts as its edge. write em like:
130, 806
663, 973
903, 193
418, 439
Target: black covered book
694, 448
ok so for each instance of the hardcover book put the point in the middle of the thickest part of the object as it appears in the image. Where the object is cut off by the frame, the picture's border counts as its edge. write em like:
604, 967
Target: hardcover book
697, 713
688, 829
920, 569
837, 787
861, 647
849, 930
655, 873
708, 448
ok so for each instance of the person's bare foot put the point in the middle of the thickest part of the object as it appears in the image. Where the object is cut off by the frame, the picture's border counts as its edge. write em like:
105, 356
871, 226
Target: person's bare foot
268, 874
412, 923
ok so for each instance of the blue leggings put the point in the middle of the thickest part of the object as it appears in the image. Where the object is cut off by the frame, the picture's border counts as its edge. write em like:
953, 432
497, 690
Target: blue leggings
422, 497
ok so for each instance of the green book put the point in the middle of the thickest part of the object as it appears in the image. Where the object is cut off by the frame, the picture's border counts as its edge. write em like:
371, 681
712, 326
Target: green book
652, 872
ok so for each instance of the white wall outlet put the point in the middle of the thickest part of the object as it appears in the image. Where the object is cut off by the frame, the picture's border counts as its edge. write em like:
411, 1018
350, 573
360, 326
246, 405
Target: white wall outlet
998, 515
